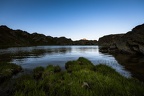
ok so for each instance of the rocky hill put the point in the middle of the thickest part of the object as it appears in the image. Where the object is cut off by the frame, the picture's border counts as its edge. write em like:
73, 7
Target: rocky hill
10, 37
132, 42
85, 42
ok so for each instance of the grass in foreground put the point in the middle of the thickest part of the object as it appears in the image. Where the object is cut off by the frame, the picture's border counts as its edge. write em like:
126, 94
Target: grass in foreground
81, 78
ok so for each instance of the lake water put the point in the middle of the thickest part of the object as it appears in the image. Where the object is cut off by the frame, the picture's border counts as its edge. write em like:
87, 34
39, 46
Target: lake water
31, 57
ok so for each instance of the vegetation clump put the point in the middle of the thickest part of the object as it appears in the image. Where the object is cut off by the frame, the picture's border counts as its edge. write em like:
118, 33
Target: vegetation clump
81, 63
7, 70
81, 78
37, 72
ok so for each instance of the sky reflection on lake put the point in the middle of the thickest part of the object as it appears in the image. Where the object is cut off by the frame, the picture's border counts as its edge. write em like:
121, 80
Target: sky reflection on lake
31, 57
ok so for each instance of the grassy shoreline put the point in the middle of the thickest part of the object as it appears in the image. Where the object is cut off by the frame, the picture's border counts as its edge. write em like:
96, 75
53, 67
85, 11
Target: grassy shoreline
81, 78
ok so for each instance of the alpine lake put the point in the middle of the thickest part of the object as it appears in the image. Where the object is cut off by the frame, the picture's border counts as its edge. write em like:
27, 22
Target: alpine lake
31, 57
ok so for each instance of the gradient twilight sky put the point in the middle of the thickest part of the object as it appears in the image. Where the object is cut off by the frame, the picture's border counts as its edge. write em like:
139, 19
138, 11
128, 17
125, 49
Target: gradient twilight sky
75, 19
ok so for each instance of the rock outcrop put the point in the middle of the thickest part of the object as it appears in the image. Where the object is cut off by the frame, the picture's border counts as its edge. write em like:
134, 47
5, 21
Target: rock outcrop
108, 43
131, 42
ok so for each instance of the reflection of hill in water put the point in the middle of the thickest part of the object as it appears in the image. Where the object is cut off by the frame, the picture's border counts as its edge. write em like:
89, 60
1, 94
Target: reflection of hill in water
86, 49
6, 55
135, 64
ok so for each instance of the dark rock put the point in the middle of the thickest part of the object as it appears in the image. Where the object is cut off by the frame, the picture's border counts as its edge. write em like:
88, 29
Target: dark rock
108, 43
109, 40
131, 42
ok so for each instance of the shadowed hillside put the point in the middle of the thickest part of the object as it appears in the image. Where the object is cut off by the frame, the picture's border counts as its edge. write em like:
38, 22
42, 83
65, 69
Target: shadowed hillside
10, 37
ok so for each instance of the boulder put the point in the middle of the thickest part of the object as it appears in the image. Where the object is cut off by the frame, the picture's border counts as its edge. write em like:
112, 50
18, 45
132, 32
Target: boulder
108, 43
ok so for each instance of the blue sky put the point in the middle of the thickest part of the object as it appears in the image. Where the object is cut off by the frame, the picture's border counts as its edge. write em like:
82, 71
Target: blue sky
75, 19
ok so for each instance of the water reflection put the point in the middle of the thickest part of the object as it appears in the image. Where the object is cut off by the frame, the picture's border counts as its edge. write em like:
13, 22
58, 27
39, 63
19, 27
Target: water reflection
86, 49
135, 64
6, 55
31, 57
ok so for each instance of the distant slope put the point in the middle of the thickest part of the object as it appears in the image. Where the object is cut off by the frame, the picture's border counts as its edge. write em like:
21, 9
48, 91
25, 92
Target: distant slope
10, 37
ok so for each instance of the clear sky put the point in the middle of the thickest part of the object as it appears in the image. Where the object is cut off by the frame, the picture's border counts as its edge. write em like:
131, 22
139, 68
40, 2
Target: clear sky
75, 19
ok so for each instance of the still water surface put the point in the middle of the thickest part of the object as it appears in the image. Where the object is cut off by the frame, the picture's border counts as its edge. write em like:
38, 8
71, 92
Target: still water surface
31, 57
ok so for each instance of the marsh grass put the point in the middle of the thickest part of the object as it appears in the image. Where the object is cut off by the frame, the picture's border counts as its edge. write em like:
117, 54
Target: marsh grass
81, 78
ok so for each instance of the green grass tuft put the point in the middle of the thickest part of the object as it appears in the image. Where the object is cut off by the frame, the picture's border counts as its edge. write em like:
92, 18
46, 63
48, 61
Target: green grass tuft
81, 78
37, 72
7, 70
81, 63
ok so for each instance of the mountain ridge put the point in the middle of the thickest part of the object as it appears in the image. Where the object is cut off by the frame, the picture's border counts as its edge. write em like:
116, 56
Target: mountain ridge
11, 38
